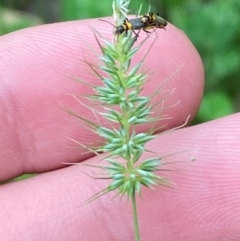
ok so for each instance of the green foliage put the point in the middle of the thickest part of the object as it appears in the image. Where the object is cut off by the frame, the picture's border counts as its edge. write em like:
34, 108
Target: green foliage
82, 9
216, 35
12, 20
215, 105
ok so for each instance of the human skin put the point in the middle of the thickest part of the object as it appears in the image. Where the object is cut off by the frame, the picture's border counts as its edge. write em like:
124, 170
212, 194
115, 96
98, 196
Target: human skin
204, 205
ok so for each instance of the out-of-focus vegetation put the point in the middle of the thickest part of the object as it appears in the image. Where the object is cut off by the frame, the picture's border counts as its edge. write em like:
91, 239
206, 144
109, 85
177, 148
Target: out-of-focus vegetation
212, 25
12, 20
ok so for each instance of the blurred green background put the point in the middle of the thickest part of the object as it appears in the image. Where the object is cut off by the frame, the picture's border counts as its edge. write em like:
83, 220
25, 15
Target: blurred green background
212, 25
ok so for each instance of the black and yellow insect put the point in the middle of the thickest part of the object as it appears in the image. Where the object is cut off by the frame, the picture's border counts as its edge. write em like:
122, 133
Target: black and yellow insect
132, 24
144, 23
154, 20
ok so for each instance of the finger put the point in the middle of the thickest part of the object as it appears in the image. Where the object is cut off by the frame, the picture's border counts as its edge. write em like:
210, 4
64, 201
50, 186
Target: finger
204, 205
34, 69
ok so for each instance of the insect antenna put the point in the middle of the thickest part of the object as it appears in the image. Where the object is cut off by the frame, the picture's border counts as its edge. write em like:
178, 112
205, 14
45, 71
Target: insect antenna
103, 20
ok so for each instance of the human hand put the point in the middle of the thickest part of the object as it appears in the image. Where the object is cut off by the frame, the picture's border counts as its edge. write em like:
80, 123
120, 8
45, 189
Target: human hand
205, 205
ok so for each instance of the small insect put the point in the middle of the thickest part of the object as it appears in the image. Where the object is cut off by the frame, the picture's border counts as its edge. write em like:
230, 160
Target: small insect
149, 21
154, 20
144, 23
132, 24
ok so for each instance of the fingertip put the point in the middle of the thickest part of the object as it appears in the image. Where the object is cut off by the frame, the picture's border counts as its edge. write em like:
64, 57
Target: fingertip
35, 63
178, 65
